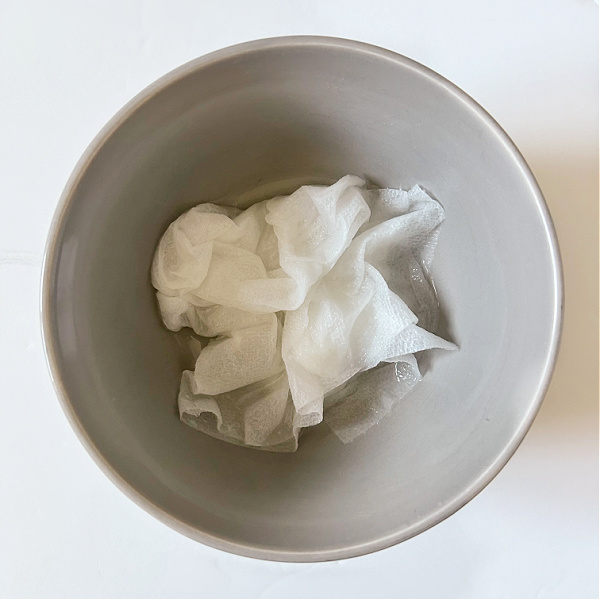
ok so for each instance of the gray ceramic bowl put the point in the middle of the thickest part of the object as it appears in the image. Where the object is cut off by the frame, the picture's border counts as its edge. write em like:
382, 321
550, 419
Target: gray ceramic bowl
259, 119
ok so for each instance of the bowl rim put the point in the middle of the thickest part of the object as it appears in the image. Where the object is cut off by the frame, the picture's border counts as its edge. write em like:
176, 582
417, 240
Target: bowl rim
48, 304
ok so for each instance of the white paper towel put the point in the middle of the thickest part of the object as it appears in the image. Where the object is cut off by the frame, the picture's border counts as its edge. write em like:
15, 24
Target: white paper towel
303, 297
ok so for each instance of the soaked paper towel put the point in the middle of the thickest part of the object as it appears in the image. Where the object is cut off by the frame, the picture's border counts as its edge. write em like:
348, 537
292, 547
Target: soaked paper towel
311, 302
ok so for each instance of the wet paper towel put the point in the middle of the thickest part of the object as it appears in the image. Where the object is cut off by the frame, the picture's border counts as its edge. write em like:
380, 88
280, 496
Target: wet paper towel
311, 302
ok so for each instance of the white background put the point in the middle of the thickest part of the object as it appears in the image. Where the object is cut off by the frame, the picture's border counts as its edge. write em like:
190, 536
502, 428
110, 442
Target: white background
65, 69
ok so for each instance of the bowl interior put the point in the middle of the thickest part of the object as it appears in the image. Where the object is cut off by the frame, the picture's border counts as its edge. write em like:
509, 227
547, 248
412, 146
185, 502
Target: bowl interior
246, 124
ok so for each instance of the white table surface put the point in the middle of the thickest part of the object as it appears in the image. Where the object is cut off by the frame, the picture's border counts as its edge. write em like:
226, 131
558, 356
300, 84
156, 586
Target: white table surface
65, 69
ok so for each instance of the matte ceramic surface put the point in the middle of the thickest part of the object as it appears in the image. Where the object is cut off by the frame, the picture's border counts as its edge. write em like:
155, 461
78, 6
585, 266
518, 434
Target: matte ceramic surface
259, 119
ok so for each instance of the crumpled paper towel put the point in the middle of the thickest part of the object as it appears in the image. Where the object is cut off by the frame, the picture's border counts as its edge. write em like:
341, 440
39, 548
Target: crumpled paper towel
303, 296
